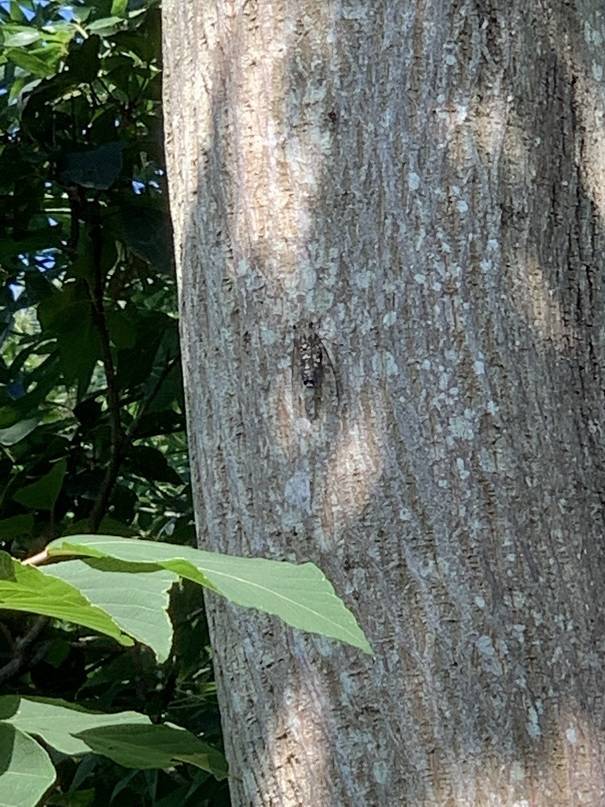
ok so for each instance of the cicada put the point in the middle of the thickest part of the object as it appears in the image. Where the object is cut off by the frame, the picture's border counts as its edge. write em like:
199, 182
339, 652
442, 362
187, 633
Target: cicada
309, 361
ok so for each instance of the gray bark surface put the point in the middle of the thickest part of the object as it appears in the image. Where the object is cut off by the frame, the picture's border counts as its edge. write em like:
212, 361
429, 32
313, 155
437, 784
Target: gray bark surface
425, 182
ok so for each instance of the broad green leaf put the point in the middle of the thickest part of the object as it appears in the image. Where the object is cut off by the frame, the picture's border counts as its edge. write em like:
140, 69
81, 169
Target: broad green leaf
26, 588
20, 87
135, 596
58, 722
147, 233
26, 771
128, 738
121, 329
42, 494
12, 435
32, 243
96, 168
152, 746
300, 595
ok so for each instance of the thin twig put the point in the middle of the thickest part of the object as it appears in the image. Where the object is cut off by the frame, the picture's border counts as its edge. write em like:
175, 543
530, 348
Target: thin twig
96, 293
119, 440
21, 657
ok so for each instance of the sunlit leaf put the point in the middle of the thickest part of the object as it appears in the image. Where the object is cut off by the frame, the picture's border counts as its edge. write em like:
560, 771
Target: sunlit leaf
26, 771
106, 25
16, 36
129, 738
299, 594
136, 597
119, 8
40, 62
25, 588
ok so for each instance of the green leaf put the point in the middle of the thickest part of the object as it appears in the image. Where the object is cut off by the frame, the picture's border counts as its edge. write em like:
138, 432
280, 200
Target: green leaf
300, 595
153, 746
67, 314
12, 435
150, 463
147, 233
42, 494
105, 26
128, 738
97, 168
119, 8
16, 13
60, 31
136, 597
25, 588
26, 771
81, 798
17, 36
78, 357
15, 526
121, 329
29, 62
58, 723
41, 62
36, 241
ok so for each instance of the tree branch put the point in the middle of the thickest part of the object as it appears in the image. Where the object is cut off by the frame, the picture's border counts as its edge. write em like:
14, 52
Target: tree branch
119, 439
96, 292
22, 655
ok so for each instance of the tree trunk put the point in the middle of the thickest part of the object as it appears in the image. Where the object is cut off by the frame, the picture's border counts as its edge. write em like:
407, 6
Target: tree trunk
425, 183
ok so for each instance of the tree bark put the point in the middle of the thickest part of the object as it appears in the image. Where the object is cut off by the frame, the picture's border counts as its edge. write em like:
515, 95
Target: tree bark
425, 183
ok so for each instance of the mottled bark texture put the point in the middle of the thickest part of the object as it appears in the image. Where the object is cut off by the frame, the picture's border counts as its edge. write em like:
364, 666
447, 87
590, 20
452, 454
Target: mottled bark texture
425, 181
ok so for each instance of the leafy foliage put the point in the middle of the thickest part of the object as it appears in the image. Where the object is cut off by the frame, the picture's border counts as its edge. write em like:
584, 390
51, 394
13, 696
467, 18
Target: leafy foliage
92, 436
300, 595
91, 401
129, 739
126, 585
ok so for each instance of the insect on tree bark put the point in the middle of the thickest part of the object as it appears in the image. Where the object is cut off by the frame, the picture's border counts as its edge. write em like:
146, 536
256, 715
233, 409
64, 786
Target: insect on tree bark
427, 180
309, 361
